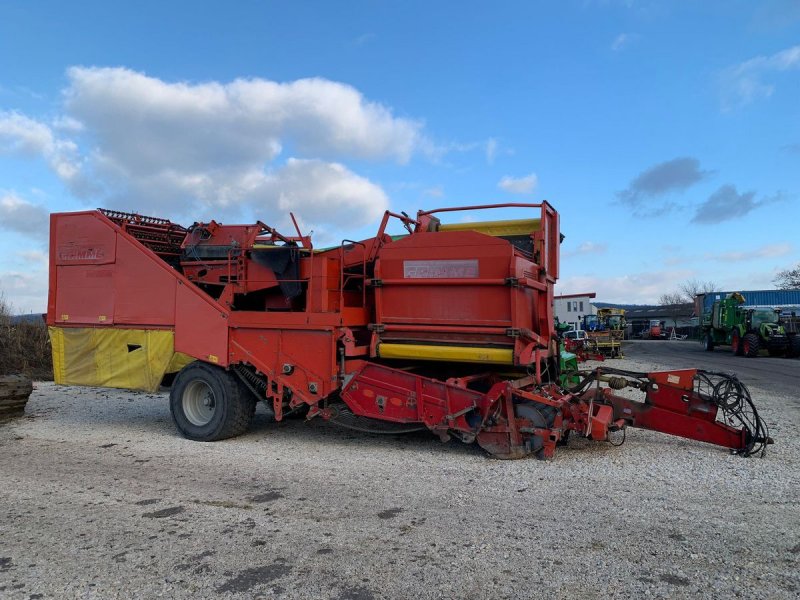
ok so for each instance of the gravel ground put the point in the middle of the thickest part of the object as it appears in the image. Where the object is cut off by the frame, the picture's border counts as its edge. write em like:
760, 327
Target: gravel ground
100, 498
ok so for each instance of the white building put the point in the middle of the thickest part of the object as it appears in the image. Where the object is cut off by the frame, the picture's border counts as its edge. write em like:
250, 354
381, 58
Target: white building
570, 308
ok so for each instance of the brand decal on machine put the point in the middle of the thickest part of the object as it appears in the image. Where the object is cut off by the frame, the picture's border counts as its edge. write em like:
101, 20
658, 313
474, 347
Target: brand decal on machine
68, 253
440, 269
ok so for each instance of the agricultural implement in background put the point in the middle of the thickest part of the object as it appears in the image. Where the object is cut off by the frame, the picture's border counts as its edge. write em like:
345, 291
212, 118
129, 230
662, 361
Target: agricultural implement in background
654, 330
748, 330
449, 328
605, 332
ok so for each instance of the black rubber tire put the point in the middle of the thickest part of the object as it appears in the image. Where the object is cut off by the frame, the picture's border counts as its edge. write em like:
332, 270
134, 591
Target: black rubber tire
234, 405
794, 346
751, 345
736, 344
709, 343
775, 351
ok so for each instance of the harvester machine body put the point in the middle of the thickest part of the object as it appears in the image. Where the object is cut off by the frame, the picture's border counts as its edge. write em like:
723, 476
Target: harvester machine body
448, 328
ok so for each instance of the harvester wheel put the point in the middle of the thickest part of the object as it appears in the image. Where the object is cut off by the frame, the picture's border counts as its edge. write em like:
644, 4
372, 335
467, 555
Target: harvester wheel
208, 403
709, 343
541, 416
751, 345
736, 344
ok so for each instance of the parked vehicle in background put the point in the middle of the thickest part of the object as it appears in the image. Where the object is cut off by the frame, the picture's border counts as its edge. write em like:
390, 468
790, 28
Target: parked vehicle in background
790, 321
605, 331
654, 331
575, 334
747, 330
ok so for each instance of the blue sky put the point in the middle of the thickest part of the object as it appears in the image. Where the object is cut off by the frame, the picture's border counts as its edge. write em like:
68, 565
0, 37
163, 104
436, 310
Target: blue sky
667, 134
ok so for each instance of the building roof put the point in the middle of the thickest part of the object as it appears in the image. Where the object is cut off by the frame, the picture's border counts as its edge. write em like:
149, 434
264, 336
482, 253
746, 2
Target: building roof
656, 312
587, 294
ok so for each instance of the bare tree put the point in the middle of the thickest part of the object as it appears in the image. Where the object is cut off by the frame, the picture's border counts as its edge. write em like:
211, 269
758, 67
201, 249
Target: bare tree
672, 303
685, 294
692, 287
788, 279
671, 298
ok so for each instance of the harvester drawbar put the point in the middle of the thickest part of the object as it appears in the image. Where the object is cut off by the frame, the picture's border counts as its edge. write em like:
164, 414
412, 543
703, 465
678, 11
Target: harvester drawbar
448, 328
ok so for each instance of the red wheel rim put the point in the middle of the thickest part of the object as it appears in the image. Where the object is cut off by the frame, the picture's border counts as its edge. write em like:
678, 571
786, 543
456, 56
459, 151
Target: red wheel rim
735, 343
746, 347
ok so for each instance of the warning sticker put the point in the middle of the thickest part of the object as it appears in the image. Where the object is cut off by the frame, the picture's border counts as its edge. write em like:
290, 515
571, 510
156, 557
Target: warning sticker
440, 269
673, 379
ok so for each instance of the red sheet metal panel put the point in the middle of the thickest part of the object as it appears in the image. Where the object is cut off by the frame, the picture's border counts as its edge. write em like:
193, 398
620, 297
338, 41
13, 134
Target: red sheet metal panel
144, 291
82, 269
85, 294
83, 239
303, 359
201, 327
445, 278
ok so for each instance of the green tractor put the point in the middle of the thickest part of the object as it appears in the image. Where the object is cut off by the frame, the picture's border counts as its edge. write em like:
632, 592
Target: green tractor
745, 330
568, 362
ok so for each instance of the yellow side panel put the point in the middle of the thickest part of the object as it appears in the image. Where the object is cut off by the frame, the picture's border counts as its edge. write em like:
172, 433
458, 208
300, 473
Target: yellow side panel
470, 354
133, 359
496, 228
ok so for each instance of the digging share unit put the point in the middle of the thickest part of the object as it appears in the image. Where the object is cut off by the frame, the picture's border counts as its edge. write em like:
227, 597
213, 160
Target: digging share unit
448, 328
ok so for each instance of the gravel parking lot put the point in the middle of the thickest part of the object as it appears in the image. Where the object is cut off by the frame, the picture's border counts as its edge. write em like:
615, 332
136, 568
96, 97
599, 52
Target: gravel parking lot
100, 498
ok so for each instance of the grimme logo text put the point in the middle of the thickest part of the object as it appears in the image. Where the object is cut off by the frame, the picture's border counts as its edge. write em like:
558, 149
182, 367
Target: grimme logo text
67, 254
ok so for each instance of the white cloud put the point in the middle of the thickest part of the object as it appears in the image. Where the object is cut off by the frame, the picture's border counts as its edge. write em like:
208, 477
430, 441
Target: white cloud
25, 291
623, 40
519, 185
22, 136
22, 216
586, 248
139, 120
744, 83
314, 187
34, 256
491, 150
765, 251
636, 288
436, 191
214, 149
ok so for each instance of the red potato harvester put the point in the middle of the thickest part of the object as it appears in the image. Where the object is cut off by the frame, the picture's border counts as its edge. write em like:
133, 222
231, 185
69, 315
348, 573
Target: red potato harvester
448, 328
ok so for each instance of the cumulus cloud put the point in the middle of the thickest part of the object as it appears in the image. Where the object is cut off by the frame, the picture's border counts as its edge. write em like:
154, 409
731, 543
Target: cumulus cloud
217, 149
26, 137
727, 204
750, 81
22, 216
310, 187
519, 185
673, 175
133, 115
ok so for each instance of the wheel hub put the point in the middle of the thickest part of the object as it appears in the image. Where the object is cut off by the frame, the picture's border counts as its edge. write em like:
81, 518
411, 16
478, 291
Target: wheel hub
198, 403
